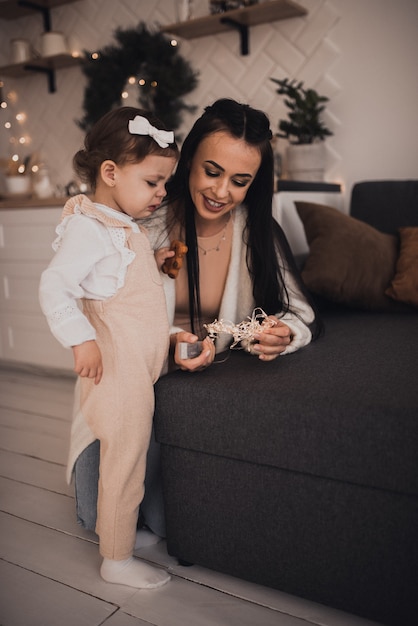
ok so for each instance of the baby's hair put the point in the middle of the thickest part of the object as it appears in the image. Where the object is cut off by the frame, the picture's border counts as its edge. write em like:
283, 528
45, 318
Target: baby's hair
110, 139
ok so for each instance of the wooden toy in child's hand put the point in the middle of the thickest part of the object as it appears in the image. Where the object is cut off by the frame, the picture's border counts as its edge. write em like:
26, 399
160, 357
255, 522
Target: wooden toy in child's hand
172, 265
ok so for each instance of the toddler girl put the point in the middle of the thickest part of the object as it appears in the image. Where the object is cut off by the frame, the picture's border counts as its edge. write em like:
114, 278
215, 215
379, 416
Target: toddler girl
119, 334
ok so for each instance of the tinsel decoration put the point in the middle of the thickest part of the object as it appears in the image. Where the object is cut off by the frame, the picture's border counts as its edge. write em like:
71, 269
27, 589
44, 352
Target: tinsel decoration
149, 56
245, 330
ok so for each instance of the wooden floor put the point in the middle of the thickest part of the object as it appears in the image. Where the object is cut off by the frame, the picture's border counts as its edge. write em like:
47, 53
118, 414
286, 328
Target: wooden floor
49, 565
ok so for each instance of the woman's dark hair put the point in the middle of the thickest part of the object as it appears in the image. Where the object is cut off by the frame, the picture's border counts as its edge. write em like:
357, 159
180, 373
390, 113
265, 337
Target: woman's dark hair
110, 139
262, 234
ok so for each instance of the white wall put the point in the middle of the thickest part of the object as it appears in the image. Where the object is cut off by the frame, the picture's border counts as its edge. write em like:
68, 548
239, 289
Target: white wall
378, 101
362, 54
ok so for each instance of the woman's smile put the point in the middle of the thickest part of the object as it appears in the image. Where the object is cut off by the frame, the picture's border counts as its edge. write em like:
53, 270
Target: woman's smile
212, 204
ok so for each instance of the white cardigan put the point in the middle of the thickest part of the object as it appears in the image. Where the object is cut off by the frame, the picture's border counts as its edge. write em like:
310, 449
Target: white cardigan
237, 304
237, 301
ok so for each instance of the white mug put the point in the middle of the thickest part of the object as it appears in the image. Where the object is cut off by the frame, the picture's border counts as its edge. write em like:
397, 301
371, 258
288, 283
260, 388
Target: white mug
183, 10
53, 43
74, 46
20, 50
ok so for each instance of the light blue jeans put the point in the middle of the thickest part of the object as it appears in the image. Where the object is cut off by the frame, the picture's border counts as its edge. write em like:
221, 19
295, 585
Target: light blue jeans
86, 476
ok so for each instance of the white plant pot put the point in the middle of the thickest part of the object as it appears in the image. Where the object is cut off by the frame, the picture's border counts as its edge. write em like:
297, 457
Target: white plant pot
306, 162
18, 185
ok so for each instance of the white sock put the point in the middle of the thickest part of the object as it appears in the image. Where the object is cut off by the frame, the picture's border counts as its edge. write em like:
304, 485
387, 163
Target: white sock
144, 537
133, 573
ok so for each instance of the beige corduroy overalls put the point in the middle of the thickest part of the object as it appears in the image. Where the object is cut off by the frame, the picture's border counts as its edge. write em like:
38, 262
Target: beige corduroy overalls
132, 333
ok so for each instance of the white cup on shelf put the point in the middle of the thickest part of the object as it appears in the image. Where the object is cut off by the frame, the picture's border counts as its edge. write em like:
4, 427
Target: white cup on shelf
53, 43
74, 46
183, 10
20, 51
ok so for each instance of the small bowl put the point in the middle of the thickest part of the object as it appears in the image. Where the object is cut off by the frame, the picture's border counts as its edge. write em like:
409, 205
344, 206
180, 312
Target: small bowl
18, 185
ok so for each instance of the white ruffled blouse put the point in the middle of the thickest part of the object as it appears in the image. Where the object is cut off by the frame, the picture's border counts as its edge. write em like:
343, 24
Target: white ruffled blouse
90, 261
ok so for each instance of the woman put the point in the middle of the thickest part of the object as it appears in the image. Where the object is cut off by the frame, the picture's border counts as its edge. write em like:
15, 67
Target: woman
219, 202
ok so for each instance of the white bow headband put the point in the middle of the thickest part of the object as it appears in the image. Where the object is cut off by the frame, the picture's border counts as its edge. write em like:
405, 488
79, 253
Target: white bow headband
141, 126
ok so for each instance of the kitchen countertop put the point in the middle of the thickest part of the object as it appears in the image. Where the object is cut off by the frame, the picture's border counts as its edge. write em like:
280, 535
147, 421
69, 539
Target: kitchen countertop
26, 202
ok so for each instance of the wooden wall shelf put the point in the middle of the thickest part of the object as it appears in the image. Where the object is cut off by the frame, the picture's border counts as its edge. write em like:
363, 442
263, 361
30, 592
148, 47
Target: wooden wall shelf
14, 9
239, 19
43, 65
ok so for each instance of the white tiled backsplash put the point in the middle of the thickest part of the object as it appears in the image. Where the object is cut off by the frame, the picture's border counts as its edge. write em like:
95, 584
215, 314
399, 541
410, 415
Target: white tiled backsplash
298, 48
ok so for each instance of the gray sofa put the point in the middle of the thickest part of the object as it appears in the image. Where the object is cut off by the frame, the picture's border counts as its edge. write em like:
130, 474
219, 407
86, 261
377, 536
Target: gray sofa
302, 474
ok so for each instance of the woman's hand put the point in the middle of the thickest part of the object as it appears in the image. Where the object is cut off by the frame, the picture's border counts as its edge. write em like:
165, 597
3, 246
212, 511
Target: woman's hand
272, 341
88, 361
200, 362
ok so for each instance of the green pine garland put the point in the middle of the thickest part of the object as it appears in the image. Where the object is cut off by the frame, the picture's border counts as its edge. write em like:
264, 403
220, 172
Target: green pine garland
145, 54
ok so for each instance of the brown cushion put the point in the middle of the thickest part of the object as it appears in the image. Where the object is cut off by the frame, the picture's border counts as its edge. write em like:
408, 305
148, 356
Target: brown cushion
349, 261
404, 286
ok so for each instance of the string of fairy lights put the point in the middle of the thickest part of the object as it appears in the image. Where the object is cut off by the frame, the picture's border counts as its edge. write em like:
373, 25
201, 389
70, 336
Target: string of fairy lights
18, 138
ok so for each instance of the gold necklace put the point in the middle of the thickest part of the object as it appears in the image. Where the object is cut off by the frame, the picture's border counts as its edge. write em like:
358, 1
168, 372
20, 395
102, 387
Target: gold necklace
222, 238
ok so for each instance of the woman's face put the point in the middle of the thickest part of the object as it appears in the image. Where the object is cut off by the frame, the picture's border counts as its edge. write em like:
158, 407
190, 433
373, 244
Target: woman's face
221, 172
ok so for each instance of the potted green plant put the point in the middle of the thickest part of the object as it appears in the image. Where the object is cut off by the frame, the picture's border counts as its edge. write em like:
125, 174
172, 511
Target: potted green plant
305, 130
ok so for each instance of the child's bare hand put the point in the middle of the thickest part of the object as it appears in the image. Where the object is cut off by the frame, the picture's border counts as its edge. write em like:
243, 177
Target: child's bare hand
88, 361
162, 254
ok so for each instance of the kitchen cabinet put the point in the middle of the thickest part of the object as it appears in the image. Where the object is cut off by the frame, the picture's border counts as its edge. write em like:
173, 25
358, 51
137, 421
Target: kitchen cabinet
14, 9
26, 235
238, 19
